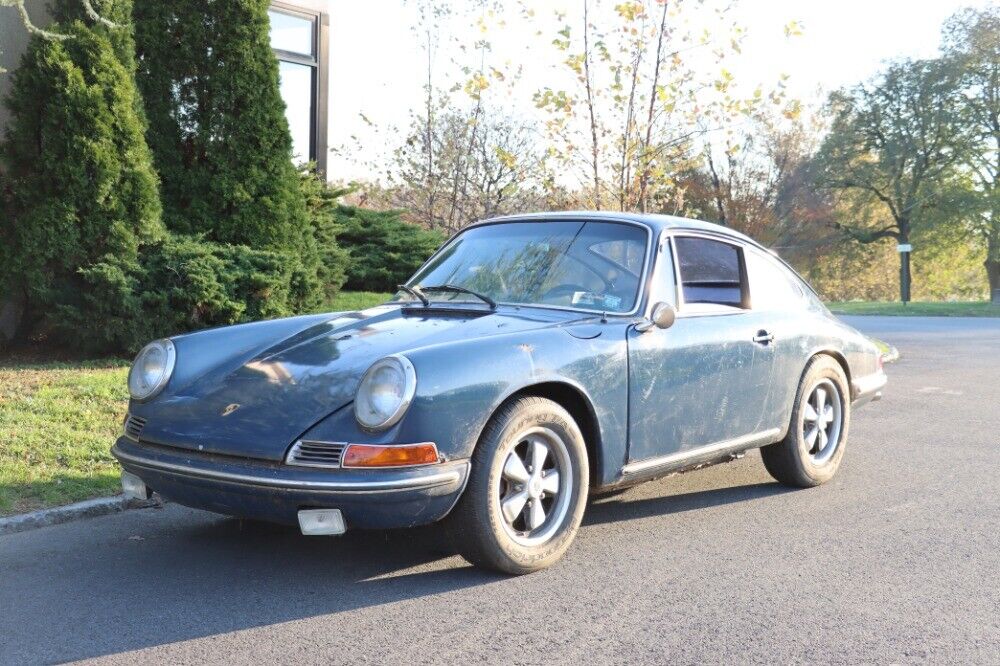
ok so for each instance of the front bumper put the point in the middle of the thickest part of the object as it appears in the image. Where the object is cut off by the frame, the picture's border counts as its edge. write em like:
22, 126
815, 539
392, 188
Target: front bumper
274, 492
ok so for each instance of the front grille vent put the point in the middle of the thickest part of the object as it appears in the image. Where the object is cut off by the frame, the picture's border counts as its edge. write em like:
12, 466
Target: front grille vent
134, 426
316, 454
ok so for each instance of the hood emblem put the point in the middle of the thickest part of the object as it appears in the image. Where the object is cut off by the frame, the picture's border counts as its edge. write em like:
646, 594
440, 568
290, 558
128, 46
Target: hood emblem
230, 409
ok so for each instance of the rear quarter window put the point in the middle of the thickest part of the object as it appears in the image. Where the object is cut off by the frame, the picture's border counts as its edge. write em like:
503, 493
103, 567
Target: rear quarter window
710, 271
772, 286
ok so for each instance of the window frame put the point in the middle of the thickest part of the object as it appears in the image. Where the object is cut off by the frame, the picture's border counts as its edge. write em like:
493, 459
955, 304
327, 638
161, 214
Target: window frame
685, 309
319, 62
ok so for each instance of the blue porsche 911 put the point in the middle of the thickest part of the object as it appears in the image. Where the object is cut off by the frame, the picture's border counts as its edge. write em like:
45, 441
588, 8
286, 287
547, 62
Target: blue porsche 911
532, 361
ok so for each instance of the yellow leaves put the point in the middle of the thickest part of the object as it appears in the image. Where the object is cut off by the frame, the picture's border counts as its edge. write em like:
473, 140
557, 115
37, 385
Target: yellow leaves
554, 100
575, 62
724, 81
793, 29
506, 158
562, 41
630, 11
476, 84
792, 110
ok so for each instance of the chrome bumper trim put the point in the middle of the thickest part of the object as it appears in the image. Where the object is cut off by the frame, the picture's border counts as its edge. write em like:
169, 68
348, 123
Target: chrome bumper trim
421, 482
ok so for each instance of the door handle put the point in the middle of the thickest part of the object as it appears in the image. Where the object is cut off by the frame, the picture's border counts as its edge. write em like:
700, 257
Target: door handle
763, 337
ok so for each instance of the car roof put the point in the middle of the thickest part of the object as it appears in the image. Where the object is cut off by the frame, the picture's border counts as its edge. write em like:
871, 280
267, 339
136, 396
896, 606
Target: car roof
655, 222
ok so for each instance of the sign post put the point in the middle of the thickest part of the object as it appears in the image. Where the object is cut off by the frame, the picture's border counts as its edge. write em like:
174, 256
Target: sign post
904, 250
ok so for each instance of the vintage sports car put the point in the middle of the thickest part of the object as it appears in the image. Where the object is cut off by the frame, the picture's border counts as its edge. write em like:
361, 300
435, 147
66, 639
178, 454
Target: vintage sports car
531, 362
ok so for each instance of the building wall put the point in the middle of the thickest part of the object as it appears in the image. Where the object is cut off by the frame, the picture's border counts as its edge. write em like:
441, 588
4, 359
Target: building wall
13, 41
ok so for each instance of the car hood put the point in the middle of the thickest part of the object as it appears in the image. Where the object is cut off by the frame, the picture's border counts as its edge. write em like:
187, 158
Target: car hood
252, 393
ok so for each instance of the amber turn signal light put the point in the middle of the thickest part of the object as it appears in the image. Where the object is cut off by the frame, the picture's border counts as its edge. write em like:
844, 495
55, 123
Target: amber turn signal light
397, 455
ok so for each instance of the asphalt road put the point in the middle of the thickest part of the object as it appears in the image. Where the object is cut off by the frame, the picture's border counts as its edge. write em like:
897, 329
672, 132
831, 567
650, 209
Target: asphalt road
895, 561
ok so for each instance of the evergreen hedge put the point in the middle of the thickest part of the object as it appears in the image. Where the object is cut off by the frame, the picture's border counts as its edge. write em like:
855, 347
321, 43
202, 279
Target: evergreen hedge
384, 250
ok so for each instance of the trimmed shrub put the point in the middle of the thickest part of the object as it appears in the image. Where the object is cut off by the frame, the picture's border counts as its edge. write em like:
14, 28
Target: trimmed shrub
384, 250
217, 125
322, 205
189, 283
81, 192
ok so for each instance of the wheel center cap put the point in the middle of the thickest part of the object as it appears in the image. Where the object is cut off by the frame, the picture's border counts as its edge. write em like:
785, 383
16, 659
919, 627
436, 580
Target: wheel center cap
535, 487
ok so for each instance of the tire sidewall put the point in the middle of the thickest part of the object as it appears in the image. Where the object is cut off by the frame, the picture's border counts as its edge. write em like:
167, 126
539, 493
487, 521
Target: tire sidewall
817, 372
492, 454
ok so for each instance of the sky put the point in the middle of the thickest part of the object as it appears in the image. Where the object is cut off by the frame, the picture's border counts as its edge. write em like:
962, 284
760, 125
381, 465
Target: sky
377, 63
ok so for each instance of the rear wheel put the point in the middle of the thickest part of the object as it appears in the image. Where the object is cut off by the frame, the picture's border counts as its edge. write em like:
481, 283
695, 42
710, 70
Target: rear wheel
811, 452
527, 489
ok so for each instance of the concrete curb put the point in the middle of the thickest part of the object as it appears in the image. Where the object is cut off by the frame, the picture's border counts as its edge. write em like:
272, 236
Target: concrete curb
101, 506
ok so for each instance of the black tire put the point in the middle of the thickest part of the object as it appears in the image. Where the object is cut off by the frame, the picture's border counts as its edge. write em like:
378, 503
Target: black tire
477, 527
794, 461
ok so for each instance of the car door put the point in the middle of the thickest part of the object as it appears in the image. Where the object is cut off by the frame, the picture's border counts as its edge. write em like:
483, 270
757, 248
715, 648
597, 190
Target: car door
701, 382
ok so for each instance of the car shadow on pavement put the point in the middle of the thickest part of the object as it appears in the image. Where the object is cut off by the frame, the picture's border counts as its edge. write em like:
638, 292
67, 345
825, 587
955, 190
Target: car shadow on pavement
176, 575
621, 507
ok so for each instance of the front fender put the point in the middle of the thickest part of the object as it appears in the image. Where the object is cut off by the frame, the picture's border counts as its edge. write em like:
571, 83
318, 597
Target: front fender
461, 384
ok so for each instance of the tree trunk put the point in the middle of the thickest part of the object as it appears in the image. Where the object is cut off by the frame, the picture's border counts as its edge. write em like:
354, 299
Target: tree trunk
11, 316
993, 275
992, 263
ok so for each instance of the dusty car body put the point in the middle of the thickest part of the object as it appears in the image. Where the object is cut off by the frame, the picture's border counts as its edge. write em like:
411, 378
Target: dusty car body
257, 420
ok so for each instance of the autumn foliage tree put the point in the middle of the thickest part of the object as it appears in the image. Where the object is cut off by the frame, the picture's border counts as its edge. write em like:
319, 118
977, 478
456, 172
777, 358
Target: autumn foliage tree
896, 141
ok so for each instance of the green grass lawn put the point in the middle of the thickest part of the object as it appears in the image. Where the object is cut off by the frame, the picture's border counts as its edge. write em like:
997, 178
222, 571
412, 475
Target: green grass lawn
355, 300
934, 309
57, 424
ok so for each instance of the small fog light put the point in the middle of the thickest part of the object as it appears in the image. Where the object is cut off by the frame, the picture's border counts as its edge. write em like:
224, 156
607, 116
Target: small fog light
316, 522
134, 487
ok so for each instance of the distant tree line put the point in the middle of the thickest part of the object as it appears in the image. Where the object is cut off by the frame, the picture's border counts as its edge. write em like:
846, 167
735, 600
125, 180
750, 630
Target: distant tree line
637, 122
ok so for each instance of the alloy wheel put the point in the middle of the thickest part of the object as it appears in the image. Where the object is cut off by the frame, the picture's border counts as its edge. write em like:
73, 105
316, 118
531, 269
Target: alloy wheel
535, 485
822, 421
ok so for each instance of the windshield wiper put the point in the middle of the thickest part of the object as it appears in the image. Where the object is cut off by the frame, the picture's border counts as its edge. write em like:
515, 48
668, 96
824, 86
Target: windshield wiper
415, 292
461, 290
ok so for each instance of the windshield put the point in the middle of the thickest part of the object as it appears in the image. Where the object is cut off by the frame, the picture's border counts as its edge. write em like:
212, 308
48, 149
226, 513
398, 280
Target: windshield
584, 265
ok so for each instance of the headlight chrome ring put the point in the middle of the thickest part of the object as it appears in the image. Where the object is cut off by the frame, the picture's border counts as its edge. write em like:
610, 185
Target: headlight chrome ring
151, 369
385, 392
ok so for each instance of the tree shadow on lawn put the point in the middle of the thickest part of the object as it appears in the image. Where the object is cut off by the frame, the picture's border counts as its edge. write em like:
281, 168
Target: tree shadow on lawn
123, 583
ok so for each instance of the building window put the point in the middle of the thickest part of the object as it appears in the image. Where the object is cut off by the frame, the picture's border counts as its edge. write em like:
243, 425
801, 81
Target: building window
299, 40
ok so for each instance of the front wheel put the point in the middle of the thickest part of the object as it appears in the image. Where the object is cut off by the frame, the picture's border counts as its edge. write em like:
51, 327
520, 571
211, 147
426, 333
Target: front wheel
811, 452
527, 489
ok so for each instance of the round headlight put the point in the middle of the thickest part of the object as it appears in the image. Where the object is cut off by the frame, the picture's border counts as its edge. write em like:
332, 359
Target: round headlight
151, 370
385, 392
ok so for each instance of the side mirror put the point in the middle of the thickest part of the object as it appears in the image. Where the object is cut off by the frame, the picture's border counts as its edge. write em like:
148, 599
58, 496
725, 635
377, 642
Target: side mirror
663, 316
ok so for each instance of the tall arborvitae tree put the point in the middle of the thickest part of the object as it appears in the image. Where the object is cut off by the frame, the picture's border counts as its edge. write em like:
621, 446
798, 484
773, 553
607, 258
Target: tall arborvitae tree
81, 190
217, 126
113, 18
